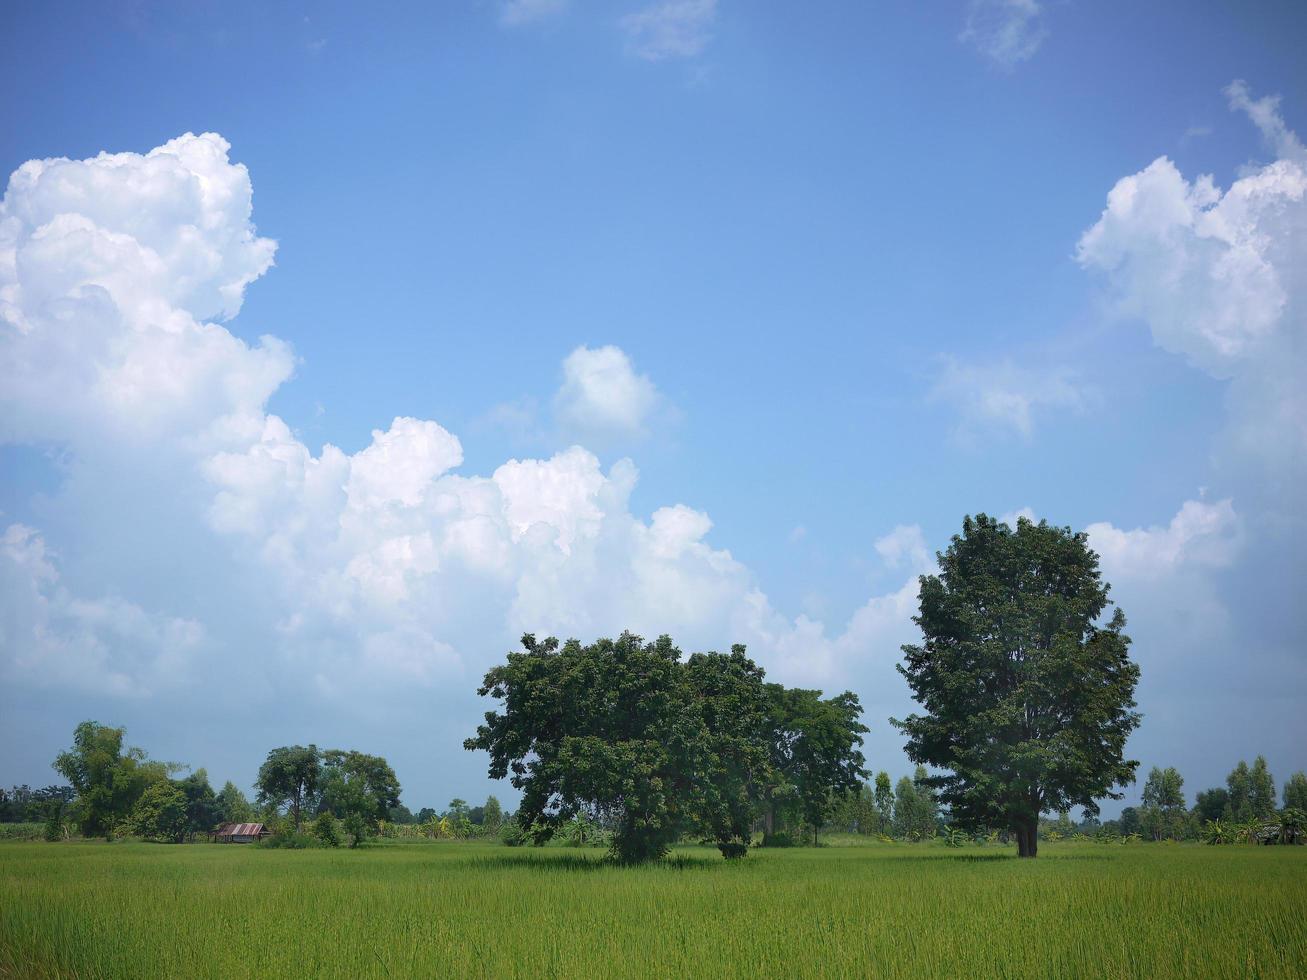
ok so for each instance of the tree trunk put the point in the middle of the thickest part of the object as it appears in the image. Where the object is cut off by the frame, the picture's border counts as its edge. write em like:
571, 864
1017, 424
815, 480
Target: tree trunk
1027, 839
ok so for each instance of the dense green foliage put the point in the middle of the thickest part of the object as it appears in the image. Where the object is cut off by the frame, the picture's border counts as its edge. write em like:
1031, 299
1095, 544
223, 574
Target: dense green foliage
815, 760
478, 910
1027, 698
233, 807
1295, 792
651, 747
160, 813
358, 788
107, 778
22, 804
289, 778
1163, 812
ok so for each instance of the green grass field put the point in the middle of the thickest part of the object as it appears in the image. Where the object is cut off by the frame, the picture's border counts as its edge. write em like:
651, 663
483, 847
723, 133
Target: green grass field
141, 910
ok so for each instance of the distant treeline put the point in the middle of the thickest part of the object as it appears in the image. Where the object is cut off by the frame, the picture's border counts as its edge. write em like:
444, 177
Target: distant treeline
117, 791
1243, 810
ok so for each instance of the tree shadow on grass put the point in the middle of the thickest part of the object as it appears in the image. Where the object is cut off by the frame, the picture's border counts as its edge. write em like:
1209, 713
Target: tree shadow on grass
979, 858
955, 858
549, 863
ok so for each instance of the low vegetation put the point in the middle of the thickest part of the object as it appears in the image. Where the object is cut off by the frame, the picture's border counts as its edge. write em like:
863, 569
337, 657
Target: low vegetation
482, 910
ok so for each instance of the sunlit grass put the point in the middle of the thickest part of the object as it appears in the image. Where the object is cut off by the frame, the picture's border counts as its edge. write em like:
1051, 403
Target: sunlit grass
92, 910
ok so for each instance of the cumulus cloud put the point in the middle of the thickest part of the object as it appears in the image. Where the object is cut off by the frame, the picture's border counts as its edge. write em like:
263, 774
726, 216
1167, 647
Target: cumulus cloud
386, 570
671, 29
602, 395
1218, 278
514, 13
1007, 32
1201, 535
1004, 397
110, 271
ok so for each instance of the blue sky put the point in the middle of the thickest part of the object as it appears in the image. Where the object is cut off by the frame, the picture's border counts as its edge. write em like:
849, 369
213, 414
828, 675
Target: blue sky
830, 276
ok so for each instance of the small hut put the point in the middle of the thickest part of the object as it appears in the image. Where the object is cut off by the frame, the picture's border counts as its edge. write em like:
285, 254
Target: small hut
241, 833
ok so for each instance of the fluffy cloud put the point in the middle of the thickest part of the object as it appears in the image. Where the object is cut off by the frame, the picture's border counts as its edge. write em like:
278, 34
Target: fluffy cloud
109, 270
671, 29
1004, 397
1007, 32
385, 570
1200, 535
602, 395
1218, 278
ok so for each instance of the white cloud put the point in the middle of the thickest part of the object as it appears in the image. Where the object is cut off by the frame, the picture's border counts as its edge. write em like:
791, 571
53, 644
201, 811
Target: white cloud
107, 645
1007, 32
1013, 516
1219, 279
401, 463
1199, 535
1003, 397
109, 269
385, 570
514, 13
1265, 114
671, 29
905, 546
1173, 583
602, 395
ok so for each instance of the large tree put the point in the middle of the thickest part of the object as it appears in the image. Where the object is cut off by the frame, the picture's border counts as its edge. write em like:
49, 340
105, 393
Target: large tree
1163, 812
203, 812
609, 729
233, 807
1211, 804
355, 784
107, 778
1295, 792
733, 705
160, 813
1261, 790
815, 752
1028, 695
625, 732
885, 802
289, 778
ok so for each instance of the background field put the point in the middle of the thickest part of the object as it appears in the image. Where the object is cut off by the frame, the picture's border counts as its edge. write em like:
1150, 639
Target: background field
90, 909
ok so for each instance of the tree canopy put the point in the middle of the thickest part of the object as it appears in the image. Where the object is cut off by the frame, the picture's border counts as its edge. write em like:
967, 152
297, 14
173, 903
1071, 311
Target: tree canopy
289, 777
107, 778
625, 732
1027, 698
355, 783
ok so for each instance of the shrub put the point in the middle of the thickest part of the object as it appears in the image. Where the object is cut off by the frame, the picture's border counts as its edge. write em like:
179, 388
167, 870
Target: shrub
357, 829
54, 824
326, 830
512, 834
779, 838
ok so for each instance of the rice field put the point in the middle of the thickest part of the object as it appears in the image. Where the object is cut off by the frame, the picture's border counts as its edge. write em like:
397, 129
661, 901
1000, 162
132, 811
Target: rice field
422, 909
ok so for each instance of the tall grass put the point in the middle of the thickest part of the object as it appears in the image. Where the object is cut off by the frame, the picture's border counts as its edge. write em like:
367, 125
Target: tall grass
397, 909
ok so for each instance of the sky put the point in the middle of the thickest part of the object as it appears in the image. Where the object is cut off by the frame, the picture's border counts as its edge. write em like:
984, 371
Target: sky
341, 345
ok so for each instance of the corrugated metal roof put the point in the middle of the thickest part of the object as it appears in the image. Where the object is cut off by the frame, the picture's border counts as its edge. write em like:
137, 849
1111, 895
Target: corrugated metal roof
240, 830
